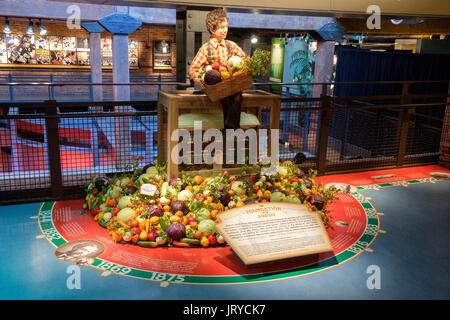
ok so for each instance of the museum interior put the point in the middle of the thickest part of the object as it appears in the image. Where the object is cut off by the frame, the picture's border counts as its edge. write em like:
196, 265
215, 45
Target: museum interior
125, 180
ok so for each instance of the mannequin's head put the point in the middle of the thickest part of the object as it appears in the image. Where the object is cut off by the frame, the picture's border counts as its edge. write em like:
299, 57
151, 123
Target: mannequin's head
217, 23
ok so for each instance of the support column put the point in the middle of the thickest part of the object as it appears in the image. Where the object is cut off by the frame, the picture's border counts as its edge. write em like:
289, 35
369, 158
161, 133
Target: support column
190, 22
95, 58
323, 69
121, 68
247, 47
121, 25
444, 157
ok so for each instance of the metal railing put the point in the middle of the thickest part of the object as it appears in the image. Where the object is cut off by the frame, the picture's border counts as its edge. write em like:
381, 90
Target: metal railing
22, 88
50, 148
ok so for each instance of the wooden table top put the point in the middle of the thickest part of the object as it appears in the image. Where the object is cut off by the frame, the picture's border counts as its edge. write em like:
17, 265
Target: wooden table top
191, 98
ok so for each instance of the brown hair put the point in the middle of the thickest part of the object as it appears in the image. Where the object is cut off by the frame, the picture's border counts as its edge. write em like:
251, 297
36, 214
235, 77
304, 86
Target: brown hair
215, 17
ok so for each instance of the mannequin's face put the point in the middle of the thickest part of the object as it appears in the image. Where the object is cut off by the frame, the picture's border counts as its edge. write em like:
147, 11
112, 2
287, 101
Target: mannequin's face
221, 31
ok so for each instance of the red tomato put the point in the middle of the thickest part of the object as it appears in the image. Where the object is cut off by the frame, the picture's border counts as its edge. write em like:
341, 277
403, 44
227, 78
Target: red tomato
199, 196
212, 240
191, 219
136, 230
151, 236
135, 238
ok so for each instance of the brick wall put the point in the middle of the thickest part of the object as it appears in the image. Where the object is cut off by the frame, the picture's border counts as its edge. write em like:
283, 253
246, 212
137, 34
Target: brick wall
145, 35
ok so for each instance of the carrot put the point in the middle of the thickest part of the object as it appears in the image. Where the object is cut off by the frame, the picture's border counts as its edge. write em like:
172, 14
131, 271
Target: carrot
147, 224
180, 244
123, 224
107, 201
89, 203
237, 73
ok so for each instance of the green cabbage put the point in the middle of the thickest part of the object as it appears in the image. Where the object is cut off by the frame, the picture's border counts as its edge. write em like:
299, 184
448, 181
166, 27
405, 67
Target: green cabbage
152, 171
277, 197
206, 226
115, 192
124, 202
126, 215
203, 214
292, 198
239, 188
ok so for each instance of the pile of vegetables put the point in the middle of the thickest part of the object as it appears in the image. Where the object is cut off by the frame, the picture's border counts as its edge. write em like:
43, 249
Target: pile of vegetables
182, 211
235, 67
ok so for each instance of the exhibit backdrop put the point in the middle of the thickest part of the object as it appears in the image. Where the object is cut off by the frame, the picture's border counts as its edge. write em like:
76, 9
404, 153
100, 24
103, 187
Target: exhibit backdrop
162, 55
299, 59
56, 50
276, 61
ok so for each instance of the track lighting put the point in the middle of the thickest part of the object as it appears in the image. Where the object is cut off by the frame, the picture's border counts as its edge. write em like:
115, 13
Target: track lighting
396, 21
42, 30
7, 27
30, 28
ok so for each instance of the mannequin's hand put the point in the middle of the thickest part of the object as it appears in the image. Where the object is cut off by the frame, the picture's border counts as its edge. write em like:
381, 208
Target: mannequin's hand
199, 83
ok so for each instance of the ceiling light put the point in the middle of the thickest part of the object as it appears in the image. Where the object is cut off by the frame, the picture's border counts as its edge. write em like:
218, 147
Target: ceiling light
7, 27
42, 30
30, 28
396, 21
254, 39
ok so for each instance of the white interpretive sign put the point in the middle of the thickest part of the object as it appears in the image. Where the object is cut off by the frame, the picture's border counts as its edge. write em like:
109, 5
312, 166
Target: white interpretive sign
273, 231
148, 189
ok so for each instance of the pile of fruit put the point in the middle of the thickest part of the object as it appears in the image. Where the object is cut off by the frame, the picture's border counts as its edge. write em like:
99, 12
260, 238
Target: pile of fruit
235, 67
145, 208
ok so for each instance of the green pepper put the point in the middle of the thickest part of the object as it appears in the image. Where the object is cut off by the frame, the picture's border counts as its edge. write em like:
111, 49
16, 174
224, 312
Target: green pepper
147, 244
163, 224
190, 241
102, 223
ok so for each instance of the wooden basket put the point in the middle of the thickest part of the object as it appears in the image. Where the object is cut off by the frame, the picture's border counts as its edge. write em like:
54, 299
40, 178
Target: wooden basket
228, 87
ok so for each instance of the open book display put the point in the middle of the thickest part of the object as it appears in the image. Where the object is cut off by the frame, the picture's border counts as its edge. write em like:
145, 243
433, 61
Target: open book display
265, 232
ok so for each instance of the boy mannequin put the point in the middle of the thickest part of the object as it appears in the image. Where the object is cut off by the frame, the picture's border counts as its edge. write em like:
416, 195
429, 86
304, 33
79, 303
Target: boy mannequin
220, 51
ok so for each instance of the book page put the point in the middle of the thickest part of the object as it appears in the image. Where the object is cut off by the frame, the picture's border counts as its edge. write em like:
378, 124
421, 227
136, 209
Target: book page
272, 231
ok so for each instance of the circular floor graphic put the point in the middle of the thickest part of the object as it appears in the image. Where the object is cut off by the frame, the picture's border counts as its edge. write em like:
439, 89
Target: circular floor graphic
355, 221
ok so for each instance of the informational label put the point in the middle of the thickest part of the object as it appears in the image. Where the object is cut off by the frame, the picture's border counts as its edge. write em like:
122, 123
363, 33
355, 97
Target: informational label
148, 189
273, 231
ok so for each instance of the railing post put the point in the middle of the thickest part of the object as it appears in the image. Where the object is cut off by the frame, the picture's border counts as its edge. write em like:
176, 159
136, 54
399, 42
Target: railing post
326, 114
52, 89
91, 95
53, 150
11, 88
404, 116
159, 85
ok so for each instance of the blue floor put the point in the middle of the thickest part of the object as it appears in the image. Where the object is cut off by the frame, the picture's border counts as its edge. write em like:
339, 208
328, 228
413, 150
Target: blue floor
413, 258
